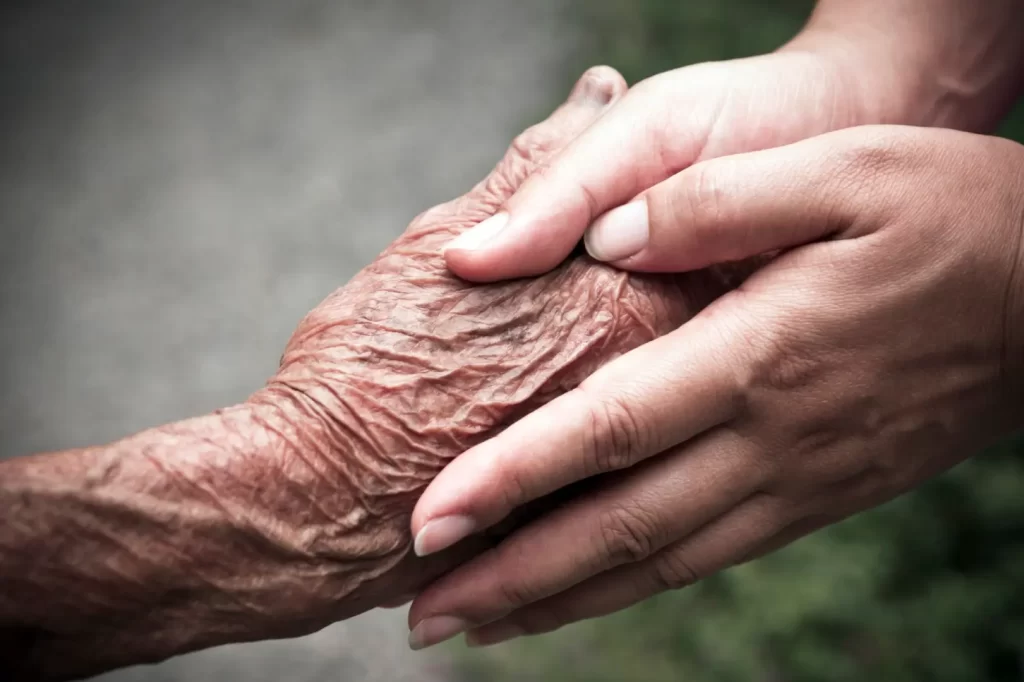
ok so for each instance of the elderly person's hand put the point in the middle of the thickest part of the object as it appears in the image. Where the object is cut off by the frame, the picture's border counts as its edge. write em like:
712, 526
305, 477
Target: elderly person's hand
882, 345
279, 516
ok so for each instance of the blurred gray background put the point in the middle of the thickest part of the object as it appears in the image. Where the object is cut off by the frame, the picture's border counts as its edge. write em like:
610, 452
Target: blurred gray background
181, 181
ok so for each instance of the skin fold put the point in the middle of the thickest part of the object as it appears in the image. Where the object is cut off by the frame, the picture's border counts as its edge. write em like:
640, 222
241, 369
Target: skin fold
279, 516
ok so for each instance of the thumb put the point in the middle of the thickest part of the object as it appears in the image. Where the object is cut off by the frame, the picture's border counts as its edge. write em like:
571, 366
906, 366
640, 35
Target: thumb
732, 208
617, 157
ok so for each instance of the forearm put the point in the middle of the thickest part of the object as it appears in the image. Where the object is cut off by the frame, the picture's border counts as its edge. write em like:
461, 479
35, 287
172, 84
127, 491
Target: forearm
945, 63
224, 528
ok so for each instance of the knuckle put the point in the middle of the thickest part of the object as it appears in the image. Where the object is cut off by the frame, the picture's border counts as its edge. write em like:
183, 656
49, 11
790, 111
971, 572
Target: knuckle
673, 571
781, 368
538, 173
877, 151
512, 483
502, 183
526, 157
705, 201
513, 594
532, 144
616, 436
589, 201
627, 535
705, 193
778, 357
513, 591
756, 368
516, 581
876, 156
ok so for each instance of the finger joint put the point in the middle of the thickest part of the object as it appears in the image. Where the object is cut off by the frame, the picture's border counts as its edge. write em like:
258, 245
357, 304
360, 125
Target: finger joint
673, 571
616, 436
627, 536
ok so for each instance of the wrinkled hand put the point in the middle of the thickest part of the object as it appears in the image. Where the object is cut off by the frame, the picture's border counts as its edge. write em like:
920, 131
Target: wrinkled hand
407, 366
279, 516
883, 346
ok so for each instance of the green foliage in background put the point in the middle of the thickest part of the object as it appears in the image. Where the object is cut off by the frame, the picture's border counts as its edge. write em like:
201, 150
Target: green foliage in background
929, 587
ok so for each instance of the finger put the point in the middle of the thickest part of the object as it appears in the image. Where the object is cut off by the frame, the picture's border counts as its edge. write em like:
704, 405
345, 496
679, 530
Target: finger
626, 522
649, 400
731, 208
790, 534
623, 153
594, 94
596, 91
715, 547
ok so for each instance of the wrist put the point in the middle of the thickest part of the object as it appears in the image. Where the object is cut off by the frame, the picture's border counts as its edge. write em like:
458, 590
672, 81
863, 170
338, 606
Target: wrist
925, 63
224, 528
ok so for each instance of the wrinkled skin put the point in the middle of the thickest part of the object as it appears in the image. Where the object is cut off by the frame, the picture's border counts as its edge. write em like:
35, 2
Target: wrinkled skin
279, 516
411, 365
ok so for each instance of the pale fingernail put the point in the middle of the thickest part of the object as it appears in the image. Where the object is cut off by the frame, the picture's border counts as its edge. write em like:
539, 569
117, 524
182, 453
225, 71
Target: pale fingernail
442, 533
431, 631
493, 634
599, 85
619, 233
479, 234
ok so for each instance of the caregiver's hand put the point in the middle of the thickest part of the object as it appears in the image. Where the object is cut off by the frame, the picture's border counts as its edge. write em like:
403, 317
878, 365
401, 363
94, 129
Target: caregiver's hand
916, 62
884, 346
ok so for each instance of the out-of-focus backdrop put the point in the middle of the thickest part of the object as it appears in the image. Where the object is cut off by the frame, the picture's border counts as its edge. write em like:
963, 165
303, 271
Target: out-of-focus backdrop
180, 182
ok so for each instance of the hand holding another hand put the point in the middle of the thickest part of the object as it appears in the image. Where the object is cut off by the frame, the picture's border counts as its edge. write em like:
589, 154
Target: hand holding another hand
290, 511
882, 346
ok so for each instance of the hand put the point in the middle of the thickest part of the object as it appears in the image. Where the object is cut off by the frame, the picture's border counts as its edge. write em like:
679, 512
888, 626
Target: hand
661, 126
917, 62
407, 366
882, 347
279, 516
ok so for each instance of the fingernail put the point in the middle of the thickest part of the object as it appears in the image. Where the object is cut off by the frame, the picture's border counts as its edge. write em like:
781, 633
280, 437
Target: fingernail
599, 85
619, 233
431, 631
493, 634
479, 234
442, 533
